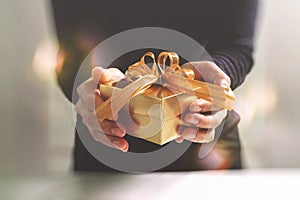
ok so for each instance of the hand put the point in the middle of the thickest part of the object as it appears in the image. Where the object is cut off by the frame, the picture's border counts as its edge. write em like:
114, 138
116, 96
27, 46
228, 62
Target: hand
202, 116
108, 132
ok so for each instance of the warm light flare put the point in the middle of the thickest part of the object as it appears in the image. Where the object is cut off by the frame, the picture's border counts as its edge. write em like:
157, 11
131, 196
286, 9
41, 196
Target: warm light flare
45, 59
259, 100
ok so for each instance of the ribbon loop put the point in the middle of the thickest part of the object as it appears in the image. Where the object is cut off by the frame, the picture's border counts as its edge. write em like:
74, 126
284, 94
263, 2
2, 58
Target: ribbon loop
174, 62
140, 69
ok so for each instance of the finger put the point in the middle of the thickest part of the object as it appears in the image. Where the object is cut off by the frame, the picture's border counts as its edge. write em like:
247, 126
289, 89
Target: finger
88, 117
81, 108
93, 101
110, 141
116, 73
222, 80
113, 128
225, 82
206, 121
201, 105
87, 87
91, 121
101, 75
209, 72
179, 140
120, 143
198, 135
106, 127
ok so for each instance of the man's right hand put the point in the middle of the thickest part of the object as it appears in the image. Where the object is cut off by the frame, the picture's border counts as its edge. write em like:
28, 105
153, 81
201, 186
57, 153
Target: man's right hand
108, 132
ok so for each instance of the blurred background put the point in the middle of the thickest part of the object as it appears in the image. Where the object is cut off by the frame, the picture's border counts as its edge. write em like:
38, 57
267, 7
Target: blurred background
37, 128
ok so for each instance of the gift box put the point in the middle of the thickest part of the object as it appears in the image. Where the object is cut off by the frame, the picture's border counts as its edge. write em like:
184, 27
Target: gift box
156, 112
155, 99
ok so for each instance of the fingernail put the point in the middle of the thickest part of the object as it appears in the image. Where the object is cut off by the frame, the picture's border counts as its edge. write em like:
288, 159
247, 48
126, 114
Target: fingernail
200, 101
179, 140
120, 76
192, 120
118, 144
117, 78
190, 135
224, 84
196, 107
117, 132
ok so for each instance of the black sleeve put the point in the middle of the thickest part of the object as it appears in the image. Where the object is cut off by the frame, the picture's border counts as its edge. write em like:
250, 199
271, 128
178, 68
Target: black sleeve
230, 30
66, 22
234, 55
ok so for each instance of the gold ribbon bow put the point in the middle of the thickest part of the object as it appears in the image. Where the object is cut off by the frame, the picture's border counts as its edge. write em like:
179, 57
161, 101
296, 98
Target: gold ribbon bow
141, 77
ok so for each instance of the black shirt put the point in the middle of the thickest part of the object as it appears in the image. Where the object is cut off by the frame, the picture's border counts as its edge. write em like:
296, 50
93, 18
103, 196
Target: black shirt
224, 27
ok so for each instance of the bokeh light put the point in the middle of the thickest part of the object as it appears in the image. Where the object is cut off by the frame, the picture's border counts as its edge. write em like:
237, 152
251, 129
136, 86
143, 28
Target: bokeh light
46, 60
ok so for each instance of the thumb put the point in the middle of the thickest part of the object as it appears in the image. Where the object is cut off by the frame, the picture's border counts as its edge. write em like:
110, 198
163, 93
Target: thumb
116, 74
101, 75
222, 80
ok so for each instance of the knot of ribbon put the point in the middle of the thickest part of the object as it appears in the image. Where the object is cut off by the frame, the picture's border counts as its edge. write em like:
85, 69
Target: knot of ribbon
141, 69
141, 77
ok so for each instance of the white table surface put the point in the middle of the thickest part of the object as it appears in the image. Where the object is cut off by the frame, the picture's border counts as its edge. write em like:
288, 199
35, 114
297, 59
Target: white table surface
245, 184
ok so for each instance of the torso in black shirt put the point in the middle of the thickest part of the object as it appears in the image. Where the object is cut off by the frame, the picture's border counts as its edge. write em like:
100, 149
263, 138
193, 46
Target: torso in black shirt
224, 27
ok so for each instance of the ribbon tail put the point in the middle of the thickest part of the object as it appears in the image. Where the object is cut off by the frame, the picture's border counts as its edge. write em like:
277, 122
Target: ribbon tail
215, 94
110, 108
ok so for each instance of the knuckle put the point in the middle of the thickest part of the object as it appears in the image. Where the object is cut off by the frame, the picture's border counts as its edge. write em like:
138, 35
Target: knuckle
205, 122
199, 137
90, 101
210, 135
90, 120
84, 121
103, 127
79, 89
98, 136
77, 107
87, 121
93, 134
